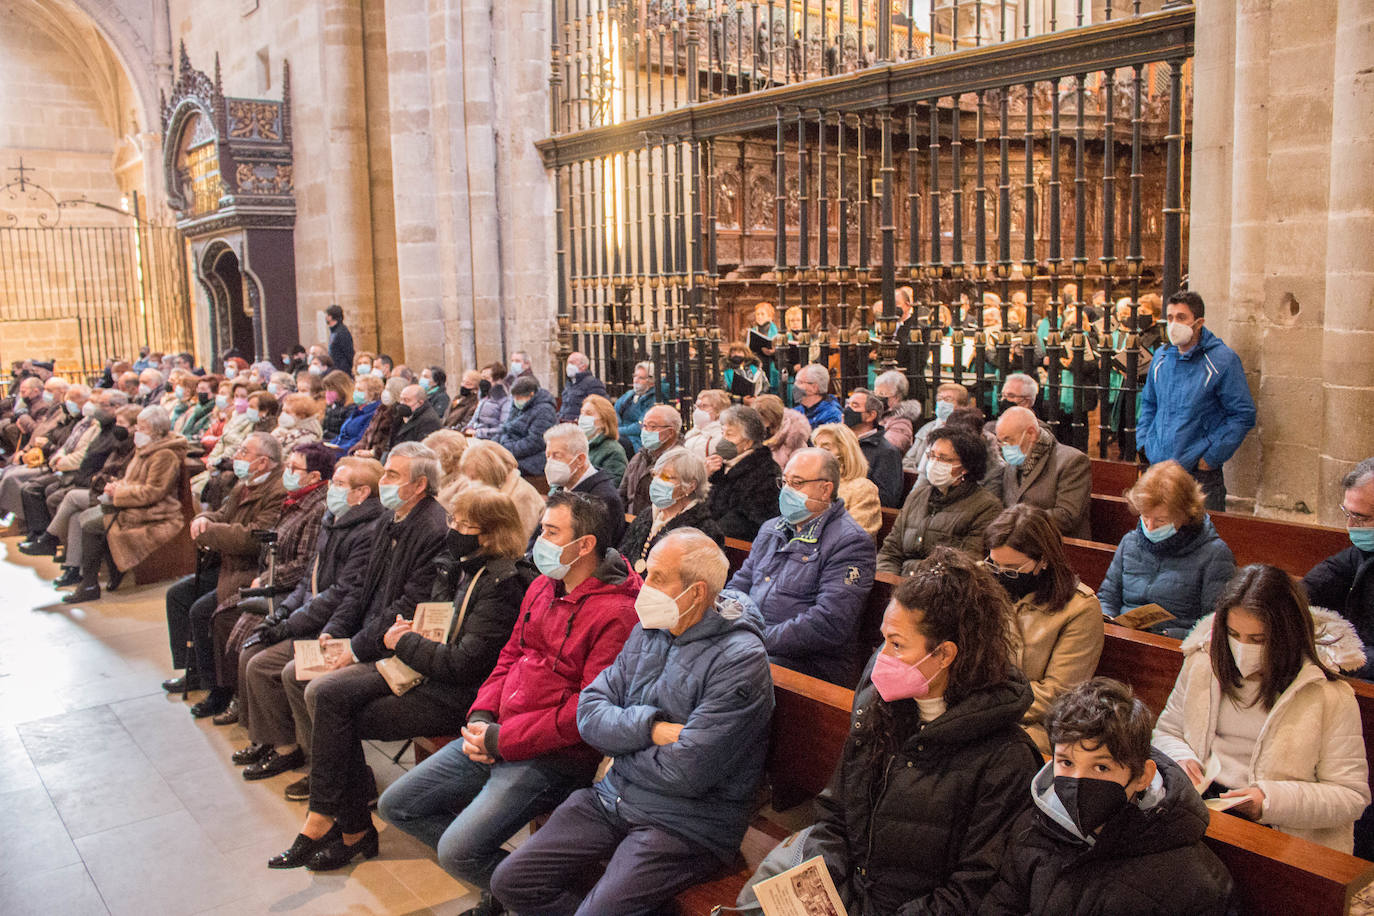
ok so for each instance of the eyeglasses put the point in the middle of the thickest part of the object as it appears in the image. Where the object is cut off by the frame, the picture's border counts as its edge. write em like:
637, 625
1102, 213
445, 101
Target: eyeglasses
797, 483
997, 569
1356, 520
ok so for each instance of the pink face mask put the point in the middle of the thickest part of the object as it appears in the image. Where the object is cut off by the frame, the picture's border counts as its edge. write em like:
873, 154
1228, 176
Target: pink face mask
895, 680
240, 405
331, 397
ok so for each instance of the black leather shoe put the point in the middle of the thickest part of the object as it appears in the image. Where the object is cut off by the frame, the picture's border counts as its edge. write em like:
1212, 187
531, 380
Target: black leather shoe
216, 702
84, 593
45, 545
70, 576
299, 790
230, 714
338, 853
180, 685
302, 849
116, 577
487, 906
250, 754
274, 763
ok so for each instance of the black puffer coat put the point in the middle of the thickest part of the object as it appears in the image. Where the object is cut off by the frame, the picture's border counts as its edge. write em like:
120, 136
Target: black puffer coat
637, 544
745, 496
921, 829
1143, 862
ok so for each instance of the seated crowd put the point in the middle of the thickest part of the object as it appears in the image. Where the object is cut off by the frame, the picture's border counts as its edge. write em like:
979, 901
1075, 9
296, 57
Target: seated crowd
577, 548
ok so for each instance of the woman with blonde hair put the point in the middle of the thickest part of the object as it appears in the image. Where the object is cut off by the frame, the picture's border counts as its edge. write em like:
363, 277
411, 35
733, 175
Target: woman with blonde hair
860, 494
706, 422
490, 463
299, 422
601, 426
1173, 558
449, 445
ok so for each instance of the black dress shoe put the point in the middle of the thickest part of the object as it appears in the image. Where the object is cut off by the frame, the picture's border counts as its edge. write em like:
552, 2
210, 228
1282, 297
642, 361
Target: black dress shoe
45, 545
116, 577
84, 593
216, 702
338, 853
230, 714
299, 790
250, 754
487, 906
302, 849
180, 685
274, 763
70, 576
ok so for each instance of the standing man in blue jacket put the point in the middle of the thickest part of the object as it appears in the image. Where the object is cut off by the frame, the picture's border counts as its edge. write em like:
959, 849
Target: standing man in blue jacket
684, 712
1196, 407
810, 571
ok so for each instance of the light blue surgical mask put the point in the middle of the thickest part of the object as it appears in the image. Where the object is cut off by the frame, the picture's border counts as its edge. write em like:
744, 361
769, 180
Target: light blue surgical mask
649, 438
1162, 533
661, 493
359, 397
181, 393
273, 388
48, 397
425, 383
364, 369
943, 409
291, 480
242, 468
520, 404
221, 401
587, 425
548, 556
72, 407
1013, 455
792, 504
390, 494
253, 414
336, 501
1362, 538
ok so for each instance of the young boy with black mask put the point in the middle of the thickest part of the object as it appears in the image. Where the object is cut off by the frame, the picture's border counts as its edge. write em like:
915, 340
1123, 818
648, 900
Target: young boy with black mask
1116, 826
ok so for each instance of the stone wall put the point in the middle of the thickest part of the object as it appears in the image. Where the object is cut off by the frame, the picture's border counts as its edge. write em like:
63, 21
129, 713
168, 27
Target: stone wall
1281, 241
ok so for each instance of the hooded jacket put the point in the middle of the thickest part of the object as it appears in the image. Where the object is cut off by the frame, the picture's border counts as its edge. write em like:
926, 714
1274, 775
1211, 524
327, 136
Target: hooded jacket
811, 583
1183, 574
337, 571
1195, 405
523, 433
1345, 583
713, 679
918, 826
579, 388
1309, 759
1148, 859
561, 642
826, 410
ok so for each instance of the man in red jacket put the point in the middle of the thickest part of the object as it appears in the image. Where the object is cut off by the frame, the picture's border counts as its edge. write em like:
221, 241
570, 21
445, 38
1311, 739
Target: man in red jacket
521, 753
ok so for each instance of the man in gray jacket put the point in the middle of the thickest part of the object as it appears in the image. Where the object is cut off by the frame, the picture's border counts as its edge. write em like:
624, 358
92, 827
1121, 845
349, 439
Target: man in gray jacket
684, 712
1041, 471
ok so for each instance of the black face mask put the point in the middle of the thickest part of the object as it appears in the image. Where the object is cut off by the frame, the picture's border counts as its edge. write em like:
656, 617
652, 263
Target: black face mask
727, 450
1090, 802
403, 411
853, 418
484, 388
1019, 585
467, 392
104, 418
202, 398
1004, 405
737, 361
121, 433
460, 545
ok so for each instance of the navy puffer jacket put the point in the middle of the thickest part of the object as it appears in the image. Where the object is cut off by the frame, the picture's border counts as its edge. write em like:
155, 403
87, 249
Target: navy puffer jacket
715, 682
523, 432
1183, 574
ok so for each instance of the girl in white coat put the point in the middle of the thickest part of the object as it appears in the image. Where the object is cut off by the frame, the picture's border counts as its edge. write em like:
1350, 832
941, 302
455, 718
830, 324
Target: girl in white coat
1259, 701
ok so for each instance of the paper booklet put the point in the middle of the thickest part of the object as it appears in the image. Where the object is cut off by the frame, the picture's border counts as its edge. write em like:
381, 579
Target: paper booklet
1209, 775
432, 620
758, 343
312, 659
1142, 618
806, 890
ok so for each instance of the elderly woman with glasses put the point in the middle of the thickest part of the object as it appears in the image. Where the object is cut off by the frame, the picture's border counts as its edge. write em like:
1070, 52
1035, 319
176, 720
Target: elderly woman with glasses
677, 494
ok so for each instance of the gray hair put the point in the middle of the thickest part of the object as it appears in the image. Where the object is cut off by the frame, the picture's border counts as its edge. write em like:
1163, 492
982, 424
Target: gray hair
829, 469
568, 435
79, 389
424, 462
816, 374
674, 417
647, 366
156, 419
1359, 475
525, 385
1024, 380
266, 444
115, 398
689, 467
747, 420
896, 379
702, 560
872, 403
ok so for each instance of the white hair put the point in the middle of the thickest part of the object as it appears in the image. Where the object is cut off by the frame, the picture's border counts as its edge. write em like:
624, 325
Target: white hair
702, 560
688, 466
817, 375
568, 435
424, 462
896, 380
1025, 380
156, 419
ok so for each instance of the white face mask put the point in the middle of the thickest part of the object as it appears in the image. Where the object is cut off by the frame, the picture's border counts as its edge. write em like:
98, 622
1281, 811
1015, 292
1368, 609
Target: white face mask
1249, 657
387, 397
1180, 334
286, 421
557, 473
141, 439
939, 473
700, 417
657, 610
572, 371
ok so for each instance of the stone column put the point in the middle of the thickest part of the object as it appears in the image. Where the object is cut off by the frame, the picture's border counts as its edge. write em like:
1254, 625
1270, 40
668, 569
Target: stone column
1347, 346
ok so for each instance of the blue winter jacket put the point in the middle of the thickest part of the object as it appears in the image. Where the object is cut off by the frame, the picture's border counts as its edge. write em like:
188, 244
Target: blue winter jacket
1195, 405
714, 681
575, 392
826, 410
811, 584
1184, 574
631, 411
354, 427
523, 432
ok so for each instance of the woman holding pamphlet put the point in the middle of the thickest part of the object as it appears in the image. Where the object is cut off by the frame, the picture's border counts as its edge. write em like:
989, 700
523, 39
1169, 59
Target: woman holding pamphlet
936, 764
1259, 718
441, 658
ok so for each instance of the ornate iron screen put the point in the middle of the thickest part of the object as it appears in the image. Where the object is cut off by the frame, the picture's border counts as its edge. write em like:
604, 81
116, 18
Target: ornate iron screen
1024, 183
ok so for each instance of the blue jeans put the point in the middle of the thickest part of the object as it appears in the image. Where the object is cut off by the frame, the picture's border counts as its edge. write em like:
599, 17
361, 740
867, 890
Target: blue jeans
466, 810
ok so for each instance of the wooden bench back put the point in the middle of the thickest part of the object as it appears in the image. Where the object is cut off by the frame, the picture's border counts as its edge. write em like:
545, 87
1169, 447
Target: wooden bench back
1113, 477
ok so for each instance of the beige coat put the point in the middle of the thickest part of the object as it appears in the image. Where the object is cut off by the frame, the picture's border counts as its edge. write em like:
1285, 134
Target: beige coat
230, 532
1058, 650
527, 500
1309, 759
1058, 479
148, 497
860, 497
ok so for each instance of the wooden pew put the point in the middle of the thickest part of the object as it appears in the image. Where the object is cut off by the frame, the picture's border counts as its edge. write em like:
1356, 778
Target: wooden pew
1113, 477
1089, 559
1292, 546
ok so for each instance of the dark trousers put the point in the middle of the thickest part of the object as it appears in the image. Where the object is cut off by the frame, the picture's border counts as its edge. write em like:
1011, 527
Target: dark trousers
356, 703
189, 609
33, 495
1213, 488
647, 867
